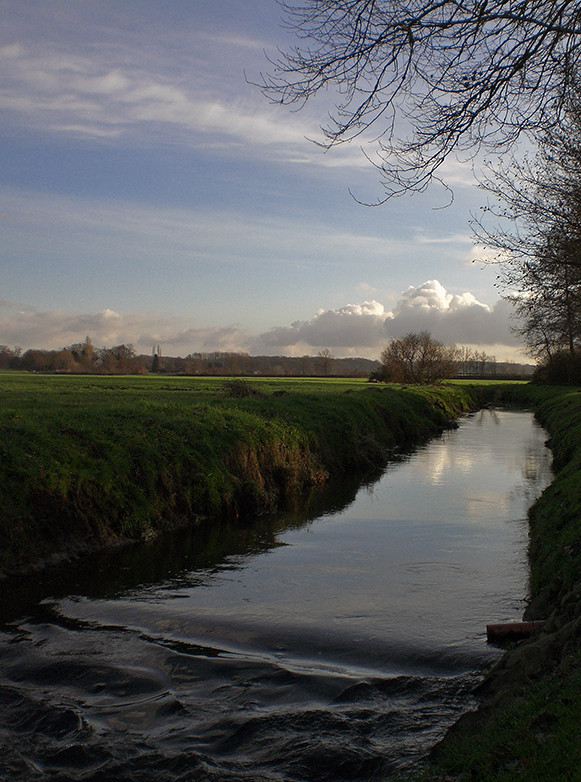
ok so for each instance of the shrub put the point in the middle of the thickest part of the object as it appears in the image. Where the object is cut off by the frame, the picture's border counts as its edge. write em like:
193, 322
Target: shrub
239, 388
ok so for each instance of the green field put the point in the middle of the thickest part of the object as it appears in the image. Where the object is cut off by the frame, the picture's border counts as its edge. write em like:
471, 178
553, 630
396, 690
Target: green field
94, 459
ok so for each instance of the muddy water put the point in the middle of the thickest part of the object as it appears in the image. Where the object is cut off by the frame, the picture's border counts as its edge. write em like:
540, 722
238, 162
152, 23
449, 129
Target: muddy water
334, 644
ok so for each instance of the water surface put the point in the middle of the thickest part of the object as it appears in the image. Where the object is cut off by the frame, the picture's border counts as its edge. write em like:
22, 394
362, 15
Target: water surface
337, 643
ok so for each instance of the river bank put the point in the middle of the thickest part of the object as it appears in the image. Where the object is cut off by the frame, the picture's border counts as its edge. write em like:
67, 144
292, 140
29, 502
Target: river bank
527, 723
91, 462
97, 461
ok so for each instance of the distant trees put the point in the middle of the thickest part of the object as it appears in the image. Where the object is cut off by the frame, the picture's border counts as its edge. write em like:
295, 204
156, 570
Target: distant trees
84, 353
430, 77
118, 359
9, 358
325, 361
473, 363
417, 358
123, 359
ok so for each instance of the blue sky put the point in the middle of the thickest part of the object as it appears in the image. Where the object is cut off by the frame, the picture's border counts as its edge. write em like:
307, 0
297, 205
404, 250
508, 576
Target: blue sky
150, 194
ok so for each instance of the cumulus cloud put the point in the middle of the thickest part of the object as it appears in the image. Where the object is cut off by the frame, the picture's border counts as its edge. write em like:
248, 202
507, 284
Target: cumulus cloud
353, 330
364, 328
348, 327
451, 318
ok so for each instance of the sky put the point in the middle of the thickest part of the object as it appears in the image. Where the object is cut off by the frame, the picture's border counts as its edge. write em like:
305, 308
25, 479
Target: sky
150, 194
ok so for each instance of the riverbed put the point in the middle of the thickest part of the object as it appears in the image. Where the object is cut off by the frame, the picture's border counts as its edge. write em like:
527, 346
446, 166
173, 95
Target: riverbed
336, 642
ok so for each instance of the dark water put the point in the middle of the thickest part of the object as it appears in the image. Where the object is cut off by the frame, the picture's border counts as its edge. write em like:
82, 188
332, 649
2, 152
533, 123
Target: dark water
338, 643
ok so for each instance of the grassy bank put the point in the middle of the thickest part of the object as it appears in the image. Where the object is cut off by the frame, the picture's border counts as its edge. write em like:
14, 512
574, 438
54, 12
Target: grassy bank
527, 727
86, 461
90, 460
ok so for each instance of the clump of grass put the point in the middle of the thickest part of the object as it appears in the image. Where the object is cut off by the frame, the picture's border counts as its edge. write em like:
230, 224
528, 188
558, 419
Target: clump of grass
238, 388
535, 736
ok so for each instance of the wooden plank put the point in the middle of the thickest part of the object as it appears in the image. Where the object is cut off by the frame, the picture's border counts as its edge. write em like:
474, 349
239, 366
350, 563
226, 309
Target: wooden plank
512, 631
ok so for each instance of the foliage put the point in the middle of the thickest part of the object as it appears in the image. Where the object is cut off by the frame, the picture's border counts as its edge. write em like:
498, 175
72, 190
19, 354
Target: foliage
563, 368
83, 357
534, 737
238, 388
457, 75
417, 358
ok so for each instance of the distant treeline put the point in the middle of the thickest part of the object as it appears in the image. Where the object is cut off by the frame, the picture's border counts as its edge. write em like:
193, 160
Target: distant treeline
84, 357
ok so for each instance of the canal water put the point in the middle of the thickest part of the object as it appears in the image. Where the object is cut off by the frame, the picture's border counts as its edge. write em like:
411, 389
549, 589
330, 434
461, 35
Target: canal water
334, 643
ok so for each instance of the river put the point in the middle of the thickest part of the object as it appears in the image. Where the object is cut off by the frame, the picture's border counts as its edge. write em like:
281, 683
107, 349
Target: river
334, 643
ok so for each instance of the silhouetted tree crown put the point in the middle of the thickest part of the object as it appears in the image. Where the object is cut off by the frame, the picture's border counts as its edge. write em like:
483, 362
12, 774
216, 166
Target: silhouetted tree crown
417, 358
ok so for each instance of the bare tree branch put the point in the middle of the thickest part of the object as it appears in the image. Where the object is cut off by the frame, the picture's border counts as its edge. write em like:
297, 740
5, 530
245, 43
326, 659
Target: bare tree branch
429, 76
537, 234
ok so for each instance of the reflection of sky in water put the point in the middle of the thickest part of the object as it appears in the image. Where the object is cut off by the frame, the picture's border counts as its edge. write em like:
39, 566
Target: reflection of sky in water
480, 471
425, 557
354, 637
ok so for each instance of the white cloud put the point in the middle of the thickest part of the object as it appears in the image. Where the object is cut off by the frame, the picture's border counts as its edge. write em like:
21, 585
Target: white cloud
63, 91
351, 326
365, 328
54, 329
458, 318
355, 329
433, 297
192, 93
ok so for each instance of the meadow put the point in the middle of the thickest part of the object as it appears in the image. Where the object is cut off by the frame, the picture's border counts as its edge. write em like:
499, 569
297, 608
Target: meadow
90, 460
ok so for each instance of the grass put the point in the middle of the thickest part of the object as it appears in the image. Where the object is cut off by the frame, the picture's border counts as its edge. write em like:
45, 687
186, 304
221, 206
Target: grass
97, 458
534, 737
555, 519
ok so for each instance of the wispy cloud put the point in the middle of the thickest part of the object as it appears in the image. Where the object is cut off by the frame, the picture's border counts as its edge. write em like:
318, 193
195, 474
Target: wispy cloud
66, 92
115, 228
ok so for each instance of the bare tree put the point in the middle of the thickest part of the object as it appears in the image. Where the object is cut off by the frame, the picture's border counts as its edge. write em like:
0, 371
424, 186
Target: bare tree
325, 360
417, 358
536, 235
429, 77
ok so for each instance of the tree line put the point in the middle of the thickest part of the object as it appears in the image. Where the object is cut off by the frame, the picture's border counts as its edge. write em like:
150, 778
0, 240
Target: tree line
418, 358
83, 357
